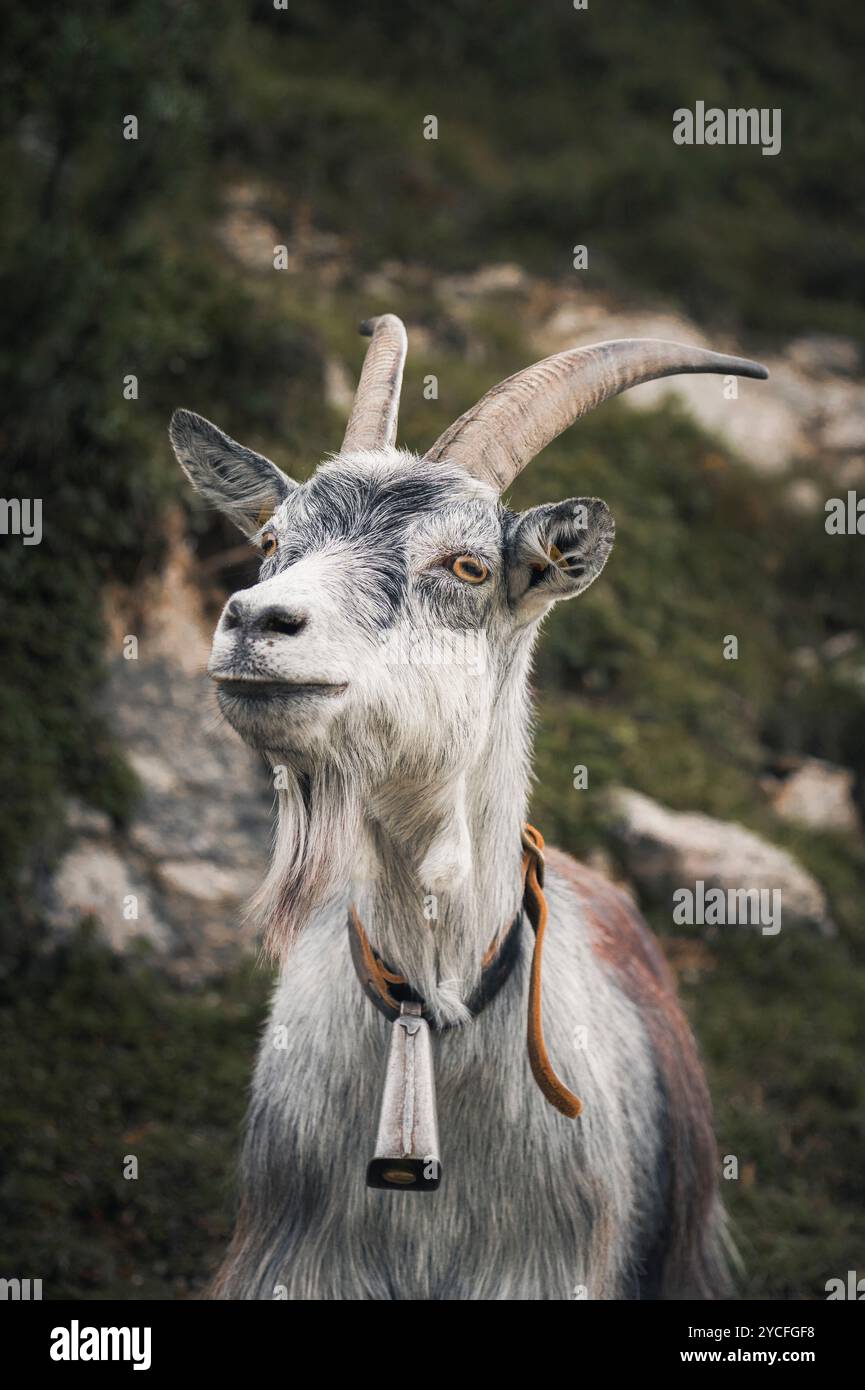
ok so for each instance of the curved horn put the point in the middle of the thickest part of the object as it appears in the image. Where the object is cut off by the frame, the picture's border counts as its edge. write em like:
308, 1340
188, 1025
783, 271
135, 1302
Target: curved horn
516, 419
372, 423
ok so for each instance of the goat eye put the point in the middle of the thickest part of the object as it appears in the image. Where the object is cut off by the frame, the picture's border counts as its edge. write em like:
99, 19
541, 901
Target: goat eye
468, 568
268, 545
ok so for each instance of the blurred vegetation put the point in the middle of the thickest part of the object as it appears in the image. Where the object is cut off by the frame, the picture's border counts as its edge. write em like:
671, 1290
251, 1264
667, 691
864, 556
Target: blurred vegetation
555, 128
107, 1062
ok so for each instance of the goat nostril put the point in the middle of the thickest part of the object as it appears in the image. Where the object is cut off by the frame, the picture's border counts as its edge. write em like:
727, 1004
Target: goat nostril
233, 616
287, 626
280, 621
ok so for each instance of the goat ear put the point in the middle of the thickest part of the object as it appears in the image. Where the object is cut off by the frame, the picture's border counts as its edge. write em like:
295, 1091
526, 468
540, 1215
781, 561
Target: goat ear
557, 551
244, 485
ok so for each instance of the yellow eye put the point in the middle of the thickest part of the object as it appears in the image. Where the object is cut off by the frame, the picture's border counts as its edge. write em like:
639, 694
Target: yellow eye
268, 545
468, 568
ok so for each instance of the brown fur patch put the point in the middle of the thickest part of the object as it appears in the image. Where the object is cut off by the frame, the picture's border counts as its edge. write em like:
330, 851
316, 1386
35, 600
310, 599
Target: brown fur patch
692, 1260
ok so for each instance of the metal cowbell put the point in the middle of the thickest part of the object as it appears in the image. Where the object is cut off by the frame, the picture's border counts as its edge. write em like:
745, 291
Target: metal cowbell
407, 1144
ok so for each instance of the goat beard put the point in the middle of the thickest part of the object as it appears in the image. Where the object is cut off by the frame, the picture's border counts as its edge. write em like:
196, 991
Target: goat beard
314, 852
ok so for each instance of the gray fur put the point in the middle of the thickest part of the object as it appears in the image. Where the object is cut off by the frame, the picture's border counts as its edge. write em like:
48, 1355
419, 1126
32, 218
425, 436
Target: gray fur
407, 784
532, 1205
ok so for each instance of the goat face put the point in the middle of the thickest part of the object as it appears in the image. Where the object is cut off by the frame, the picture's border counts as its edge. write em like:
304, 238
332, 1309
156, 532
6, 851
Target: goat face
392, 595
382, 559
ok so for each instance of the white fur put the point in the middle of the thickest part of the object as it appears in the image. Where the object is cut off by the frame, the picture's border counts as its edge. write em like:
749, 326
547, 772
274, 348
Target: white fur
406, 794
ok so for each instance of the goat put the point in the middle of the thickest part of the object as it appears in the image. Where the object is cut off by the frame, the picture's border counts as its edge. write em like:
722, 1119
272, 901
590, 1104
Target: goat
402, 791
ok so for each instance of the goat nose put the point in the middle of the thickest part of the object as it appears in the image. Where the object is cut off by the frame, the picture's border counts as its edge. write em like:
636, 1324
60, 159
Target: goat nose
272, 620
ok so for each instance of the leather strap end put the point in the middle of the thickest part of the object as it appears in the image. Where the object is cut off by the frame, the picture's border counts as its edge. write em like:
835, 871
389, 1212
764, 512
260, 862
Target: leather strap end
554, 1090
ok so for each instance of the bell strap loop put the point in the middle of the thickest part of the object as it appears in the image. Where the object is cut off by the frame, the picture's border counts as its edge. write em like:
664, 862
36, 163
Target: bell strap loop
535, 904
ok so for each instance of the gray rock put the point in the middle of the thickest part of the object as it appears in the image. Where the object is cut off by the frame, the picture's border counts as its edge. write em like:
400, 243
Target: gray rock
198, 841
93, 880
825, 353
85, 820
205, 881
664, 850
845, 433
818, 794
504, 278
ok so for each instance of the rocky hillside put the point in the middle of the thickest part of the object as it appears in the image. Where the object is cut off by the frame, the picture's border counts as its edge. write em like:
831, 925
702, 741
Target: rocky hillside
198, 836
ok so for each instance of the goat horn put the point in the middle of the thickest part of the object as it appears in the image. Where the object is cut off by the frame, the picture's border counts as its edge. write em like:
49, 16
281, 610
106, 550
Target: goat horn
516, 419
372, 423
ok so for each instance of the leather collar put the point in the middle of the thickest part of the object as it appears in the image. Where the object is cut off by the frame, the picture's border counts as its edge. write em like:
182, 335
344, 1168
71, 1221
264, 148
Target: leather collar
388, 990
